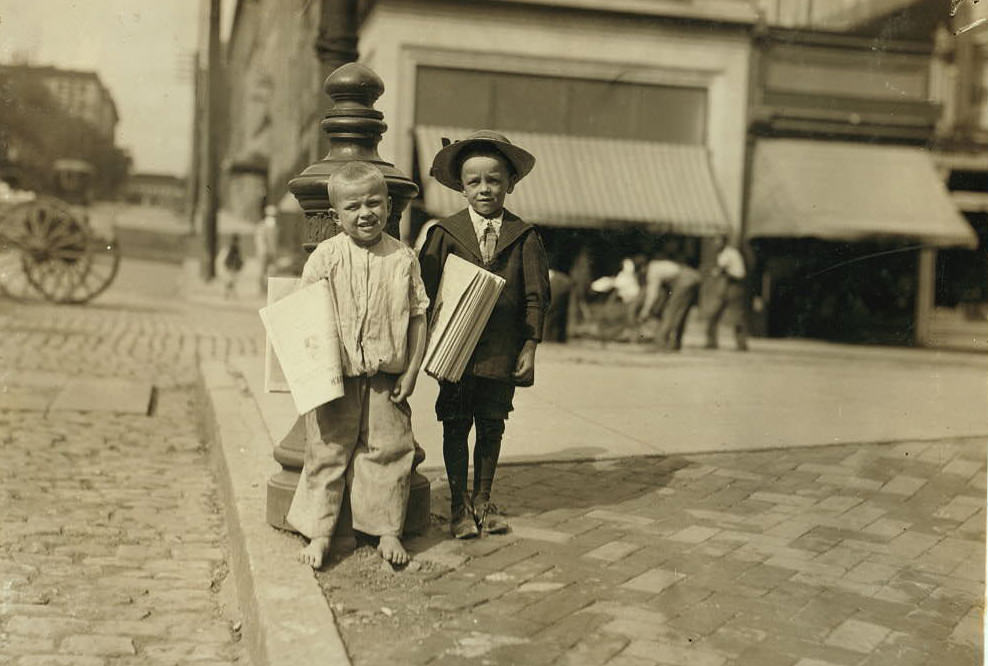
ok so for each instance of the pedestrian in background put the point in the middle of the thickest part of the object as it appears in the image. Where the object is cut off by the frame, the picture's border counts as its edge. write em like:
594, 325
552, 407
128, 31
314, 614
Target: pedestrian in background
671, 291
581, 276
728, 293
266, 245
232, 261
617, 318
659, 276
556, 317
485, 167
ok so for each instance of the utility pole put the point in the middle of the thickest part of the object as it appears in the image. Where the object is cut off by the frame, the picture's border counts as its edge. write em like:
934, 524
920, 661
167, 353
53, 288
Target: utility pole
195, 170
336, 43
210, 180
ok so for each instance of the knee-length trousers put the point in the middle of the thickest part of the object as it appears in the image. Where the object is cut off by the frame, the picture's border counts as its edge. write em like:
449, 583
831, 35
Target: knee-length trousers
364, 441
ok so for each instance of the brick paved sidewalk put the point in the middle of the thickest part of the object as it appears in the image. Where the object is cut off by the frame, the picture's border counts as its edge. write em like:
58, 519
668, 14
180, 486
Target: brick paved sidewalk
848, 555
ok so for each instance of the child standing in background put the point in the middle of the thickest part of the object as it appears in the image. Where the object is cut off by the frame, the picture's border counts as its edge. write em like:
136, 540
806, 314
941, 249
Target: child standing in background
232, 262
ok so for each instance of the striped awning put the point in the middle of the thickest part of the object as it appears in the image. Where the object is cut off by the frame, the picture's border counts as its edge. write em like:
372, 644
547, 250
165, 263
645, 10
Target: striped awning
595, 182
847, 191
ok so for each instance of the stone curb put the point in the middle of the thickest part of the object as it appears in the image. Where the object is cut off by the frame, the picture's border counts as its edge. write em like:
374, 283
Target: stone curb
287, 621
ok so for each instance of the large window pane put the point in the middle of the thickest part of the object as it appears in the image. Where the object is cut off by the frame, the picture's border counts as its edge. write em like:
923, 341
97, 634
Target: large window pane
453, 98
673, 115
601, 108
530, 103
559, 105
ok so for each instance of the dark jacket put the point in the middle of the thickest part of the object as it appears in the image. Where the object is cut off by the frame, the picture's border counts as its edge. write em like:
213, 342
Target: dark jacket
519, 313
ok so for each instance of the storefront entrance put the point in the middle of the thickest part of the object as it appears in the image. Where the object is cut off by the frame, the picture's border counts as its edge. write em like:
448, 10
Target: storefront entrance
850, 292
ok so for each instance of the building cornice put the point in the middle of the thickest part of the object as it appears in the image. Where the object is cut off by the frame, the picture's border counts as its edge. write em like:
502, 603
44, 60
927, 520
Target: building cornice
724, 12
796, 37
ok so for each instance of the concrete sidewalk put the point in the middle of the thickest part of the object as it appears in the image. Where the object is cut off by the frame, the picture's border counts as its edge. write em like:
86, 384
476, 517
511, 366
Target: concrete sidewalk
247, 294
592, 404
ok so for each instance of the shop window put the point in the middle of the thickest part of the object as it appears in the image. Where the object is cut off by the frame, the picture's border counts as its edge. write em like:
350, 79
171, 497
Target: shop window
962, 275
448, 97
605, 109
970, 181
513, 107
453, 98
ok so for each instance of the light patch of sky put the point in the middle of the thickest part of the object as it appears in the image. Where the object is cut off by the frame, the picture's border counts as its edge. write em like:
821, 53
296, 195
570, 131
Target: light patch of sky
142, 50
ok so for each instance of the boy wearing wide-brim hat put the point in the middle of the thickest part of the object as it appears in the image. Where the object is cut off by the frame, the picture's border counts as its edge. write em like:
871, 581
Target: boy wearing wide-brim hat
485, 167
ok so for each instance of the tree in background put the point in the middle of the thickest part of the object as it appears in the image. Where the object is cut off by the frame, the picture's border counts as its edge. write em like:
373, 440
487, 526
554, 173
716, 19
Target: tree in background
35, 130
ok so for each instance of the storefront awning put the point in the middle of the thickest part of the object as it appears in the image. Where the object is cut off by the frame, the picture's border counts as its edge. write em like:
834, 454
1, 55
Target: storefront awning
595, 182
851, 192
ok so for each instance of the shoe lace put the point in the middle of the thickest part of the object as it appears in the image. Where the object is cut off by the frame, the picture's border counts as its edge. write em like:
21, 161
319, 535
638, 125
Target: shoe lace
491, 509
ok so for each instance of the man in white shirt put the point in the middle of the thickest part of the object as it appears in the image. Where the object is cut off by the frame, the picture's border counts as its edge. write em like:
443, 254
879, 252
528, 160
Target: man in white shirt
729, 293
659, 274
671, 289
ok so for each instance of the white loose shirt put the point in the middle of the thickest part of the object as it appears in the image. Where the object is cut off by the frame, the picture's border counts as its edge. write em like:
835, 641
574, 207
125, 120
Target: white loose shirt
377, 289
731, 262
658, 273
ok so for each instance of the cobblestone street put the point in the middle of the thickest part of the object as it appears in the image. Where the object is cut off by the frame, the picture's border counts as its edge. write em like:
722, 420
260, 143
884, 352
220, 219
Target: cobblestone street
112, 547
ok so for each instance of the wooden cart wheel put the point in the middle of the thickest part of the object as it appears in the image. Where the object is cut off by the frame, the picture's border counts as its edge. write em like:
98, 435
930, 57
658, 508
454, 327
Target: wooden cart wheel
13, 274
102, 262
62, 258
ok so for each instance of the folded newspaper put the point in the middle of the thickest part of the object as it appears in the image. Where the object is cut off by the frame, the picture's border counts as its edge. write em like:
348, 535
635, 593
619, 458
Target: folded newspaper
464, 302
302, 328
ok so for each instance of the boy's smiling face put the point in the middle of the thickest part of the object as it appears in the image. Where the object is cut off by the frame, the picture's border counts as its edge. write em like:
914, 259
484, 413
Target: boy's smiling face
361, 209
486, 180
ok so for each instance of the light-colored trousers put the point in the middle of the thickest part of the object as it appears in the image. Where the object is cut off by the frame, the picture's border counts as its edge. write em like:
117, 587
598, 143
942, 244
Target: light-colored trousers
682, 297
364, 441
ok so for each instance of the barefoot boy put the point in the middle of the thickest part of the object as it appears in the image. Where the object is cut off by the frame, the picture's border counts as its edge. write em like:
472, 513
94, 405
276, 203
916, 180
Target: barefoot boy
485, 168
365, 436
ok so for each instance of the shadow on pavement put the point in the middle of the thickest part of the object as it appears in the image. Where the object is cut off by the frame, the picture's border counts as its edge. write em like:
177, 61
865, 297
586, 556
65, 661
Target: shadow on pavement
524, 489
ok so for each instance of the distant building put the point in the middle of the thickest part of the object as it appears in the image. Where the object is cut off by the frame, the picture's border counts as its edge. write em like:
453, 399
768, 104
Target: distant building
860, 231
80, 94
51, 114
155, 189
958, 304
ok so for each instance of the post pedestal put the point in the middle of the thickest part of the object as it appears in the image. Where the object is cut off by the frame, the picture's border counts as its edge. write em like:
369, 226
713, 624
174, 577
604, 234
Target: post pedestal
354, 129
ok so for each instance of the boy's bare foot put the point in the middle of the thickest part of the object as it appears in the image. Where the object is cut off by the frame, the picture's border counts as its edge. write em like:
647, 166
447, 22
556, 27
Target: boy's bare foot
315, 552
392, 551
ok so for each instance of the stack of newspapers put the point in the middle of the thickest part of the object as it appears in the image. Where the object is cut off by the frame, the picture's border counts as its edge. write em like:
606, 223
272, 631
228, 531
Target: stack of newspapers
464, 301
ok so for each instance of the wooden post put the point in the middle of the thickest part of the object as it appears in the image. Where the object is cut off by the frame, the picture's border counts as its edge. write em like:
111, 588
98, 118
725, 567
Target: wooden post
210, 181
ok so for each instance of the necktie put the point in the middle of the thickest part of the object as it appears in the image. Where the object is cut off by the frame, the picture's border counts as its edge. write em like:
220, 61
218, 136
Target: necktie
488, 242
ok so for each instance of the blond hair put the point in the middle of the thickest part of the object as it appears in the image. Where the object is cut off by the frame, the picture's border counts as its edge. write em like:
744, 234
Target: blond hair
351, 174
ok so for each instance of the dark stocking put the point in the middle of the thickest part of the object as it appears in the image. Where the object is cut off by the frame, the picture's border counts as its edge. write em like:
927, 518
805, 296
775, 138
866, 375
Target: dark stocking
456, 456
485, 455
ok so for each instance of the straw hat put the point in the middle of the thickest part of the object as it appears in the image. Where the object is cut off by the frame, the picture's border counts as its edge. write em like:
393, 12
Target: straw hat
443, 166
